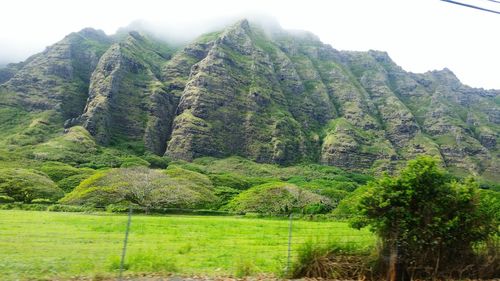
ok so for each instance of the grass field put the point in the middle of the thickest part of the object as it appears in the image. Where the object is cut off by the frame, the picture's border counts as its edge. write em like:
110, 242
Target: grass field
43, 245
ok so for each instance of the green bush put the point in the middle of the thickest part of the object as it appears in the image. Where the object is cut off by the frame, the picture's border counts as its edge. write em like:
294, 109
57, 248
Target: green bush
490, 204
244, 267
348, 207
277, 198
230, 180
68, 208
240, 173
189, 166
427, 219
118, 208
6, 199
317, 208
23, 206
58, 171
105, 159
156, 162
133, 161
26, 185
225, 194
70, 183
179, 172
41, 201
92, 191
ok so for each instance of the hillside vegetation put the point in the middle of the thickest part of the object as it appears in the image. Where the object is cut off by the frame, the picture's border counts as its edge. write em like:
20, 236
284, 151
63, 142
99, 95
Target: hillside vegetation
236, 120
259, 92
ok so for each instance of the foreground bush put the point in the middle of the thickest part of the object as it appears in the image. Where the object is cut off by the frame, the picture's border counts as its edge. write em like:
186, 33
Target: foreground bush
332, 261
25, 185
430, 224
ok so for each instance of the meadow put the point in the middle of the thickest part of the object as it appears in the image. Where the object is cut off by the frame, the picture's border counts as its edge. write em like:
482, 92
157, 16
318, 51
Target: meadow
45, 245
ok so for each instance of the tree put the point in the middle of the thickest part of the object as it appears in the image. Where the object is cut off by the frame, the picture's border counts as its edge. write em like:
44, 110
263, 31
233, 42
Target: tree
278, 198
146, 188
26, 185
426, 219
150, 188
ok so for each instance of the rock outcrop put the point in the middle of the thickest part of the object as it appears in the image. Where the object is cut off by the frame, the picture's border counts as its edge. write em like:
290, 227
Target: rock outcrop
58, 78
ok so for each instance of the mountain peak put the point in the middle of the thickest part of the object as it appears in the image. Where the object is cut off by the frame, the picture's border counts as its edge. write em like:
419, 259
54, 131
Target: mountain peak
90, 33
243, 23
256, 90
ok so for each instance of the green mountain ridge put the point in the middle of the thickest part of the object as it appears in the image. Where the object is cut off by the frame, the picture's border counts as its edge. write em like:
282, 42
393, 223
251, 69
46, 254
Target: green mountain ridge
266, 94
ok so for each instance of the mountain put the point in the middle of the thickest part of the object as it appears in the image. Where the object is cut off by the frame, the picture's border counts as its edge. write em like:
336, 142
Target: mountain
251, 90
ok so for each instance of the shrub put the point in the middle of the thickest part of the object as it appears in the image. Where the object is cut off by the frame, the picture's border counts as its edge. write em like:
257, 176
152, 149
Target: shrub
91, 191
316, 208
26, 185
105, 159
276, 198
237, 165
6, 199
331, 261
195, 181
68, 208
490, 204
244, 267
189, 166
348, 207
70, 183
178, 172
156, 161
133, 161
23, 206
118, 208
230, 180
41, 201
426, 220
313, 261
58, 171
225, 194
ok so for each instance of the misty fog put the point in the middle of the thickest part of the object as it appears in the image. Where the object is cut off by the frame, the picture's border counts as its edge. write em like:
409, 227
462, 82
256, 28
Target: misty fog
418, 35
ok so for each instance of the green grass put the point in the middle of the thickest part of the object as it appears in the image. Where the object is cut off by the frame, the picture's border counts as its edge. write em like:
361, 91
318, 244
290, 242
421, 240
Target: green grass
38, 245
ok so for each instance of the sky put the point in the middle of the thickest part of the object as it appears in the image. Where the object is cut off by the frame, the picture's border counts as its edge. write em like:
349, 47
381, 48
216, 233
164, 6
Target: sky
419, 35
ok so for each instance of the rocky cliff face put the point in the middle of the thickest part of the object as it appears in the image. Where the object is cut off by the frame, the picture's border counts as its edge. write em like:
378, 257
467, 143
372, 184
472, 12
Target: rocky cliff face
263, 93
58, 77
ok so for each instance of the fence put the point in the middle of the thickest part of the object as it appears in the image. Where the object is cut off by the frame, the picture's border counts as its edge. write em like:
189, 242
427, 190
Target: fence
43, 244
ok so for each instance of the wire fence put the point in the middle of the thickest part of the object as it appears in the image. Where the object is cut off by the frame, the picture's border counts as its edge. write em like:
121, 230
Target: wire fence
42, 244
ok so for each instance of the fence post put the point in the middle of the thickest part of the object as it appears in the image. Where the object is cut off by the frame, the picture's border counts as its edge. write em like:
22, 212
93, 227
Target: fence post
124, 250
289, 255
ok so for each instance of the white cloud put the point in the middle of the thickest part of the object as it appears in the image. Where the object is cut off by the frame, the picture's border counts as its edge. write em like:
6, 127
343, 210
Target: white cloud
419, 35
